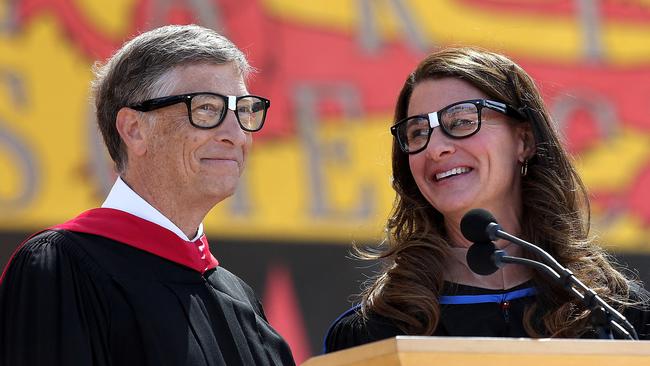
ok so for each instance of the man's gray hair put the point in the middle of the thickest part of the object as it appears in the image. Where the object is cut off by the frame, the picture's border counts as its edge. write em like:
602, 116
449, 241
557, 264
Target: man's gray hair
135, 72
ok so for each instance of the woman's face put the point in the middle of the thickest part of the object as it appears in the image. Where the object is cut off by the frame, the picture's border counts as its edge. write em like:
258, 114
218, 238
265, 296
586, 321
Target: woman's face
480, 171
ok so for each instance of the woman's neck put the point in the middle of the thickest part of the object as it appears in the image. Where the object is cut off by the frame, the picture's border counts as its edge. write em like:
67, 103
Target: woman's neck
457, 271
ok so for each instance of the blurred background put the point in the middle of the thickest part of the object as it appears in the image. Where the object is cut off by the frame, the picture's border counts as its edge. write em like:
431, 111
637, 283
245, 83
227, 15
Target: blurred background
318, 178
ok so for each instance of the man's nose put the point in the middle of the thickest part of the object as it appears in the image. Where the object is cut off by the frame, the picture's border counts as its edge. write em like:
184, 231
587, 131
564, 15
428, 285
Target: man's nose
230, 131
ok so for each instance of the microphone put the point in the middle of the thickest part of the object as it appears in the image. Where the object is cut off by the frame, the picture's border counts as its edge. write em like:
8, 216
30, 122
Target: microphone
480, 258
484, 259
480, 227
474, 225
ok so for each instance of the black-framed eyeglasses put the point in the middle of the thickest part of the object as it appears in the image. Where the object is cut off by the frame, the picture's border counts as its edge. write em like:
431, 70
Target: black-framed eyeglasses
207, 110
458, 120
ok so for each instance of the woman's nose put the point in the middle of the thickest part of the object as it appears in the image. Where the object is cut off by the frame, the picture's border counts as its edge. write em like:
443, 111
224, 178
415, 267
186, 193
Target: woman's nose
439, 145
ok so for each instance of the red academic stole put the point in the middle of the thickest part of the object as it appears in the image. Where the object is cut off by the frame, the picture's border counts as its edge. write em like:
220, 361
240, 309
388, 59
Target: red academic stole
139, 233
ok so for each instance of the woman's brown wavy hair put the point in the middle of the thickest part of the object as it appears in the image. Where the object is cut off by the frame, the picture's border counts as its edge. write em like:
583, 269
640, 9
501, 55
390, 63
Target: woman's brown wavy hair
555, 214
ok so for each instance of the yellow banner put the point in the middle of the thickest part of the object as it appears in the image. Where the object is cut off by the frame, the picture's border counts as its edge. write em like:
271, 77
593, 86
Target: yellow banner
321, 176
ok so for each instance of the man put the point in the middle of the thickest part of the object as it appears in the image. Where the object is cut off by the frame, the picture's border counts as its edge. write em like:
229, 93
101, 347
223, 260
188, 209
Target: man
134, 282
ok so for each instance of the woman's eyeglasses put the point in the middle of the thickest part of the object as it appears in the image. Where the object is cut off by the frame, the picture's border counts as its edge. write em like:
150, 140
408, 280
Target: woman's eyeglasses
458, 120
207, 110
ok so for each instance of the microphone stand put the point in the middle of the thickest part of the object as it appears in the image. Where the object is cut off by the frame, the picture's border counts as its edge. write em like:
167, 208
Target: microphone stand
606, 317
501, 258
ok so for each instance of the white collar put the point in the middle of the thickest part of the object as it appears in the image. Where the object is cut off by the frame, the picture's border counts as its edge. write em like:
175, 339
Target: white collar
123, 198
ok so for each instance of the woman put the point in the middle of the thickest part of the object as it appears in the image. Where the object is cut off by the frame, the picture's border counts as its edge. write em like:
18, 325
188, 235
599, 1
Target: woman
472, 131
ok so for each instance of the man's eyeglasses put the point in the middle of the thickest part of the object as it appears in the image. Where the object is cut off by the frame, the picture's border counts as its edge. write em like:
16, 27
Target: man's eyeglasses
207, 110
458, 120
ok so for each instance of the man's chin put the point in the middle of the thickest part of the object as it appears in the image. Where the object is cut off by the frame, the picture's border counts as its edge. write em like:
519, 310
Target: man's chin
219, 193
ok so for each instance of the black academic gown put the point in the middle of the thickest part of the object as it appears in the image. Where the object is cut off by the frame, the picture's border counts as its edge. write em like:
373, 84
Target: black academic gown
466, 312
109, 288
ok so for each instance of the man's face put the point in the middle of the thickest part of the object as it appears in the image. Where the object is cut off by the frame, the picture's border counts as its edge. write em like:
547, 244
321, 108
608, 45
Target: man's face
193, 166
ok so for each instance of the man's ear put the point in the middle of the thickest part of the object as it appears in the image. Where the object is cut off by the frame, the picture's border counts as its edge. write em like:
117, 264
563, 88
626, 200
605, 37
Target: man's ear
133, 129
527, 148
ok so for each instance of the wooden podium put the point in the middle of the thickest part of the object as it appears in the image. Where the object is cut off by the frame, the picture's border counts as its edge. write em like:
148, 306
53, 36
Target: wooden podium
451, 351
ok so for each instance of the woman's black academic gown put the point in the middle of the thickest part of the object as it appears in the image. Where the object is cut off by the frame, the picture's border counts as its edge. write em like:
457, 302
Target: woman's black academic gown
466, 311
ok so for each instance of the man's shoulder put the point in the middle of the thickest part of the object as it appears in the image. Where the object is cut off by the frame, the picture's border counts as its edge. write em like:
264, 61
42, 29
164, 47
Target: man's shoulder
64, 243
47, 257
48, 244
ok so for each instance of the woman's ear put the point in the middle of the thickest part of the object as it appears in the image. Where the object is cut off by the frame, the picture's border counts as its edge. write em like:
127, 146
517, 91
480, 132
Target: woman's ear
527, 147
133, 130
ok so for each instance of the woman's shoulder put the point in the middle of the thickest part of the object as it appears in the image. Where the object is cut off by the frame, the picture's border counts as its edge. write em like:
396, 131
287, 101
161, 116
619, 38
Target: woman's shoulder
638, 314
353, 329
639, 294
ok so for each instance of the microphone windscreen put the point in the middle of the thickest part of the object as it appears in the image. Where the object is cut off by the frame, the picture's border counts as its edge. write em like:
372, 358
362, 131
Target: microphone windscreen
474, 225
479, 258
